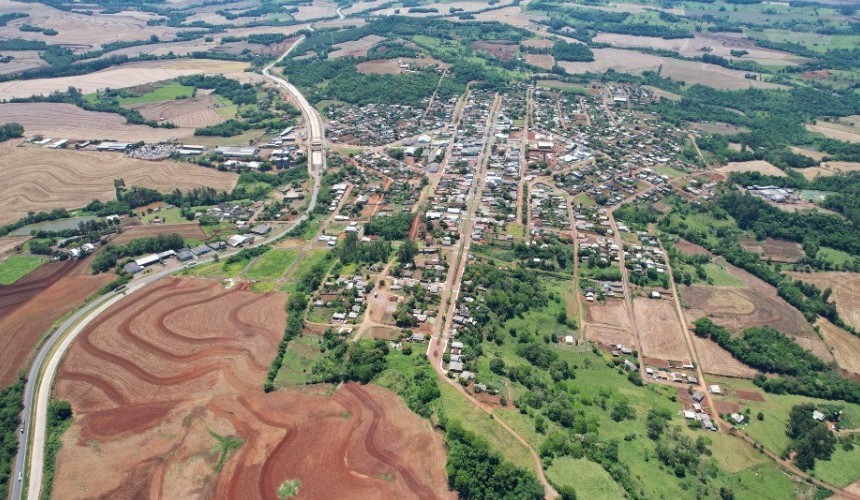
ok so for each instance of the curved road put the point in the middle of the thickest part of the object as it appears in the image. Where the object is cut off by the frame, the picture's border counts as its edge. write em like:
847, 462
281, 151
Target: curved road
40, 378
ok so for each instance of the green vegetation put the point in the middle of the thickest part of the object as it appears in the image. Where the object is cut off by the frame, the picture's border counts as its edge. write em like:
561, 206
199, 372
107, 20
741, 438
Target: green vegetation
59, 420
351, 250
171, 91
18, 266
811, 440
11, 404
563, 51
289, 488
11, 131
272, 264
587, 478
390, 227
226, 446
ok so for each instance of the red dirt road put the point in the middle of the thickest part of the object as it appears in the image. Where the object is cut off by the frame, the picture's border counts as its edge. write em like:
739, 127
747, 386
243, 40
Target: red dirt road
165, 368
29, 308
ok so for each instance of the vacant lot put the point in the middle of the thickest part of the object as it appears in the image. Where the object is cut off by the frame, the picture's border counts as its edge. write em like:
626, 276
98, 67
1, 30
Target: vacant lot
846, 292
760, 166
355, 48
716, 360
608, 323
37, 179
29, 308
776, 250
756, 305
660, 330
126, 75
67, 121
162, 371
190, 230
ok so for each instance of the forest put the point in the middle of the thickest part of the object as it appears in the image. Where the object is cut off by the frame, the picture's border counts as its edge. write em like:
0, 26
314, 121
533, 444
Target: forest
11, 405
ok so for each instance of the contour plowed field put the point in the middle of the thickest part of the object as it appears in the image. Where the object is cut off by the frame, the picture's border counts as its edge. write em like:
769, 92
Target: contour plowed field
157, 374
32, 305
39, 179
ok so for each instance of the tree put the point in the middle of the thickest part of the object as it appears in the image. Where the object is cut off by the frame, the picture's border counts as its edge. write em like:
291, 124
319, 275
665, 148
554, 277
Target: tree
407, 251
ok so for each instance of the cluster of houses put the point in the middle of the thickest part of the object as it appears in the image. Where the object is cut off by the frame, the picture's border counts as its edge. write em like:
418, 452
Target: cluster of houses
187, 255
645, 256
775, 194
345, 297
598, 252
449, 200
698, 413
548, 209
380, 124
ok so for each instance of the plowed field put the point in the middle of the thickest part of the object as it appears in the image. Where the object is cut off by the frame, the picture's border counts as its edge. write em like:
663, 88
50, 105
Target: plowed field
660, 330
158, 374
29, 308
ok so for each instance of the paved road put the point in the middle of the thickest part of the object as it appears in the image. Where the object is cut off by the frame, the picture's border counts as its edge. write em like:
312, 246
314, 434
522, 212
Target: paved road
37, 391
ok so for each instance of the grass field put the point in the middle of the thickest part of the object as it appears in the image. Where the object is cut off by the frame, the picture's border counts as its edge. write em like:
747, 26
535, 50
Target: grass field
302, 268
718, 275
834, 256
589, 479
168, 92
842, 469
299, 357
667, 170
225, 108
272, 264
18, 266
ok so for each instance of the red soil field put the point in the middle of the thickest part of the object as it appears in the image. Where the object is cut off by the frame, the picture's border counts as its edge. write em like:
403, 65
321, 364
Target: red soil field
167, 367
660, 330
608, 323
716, 360
37, 302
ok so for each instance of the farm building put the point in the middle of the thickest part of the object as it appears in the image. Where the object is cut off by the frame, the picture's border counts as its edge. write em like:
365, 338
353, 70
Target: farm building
114, 146
147, 260
261, 230
234, 152
238, 240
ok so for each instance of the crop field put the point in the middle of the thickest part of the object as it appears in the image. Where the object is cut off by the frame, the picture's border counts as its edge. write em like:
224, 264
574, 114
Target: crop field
829, 168
355, 48
17, 266
721, 44
9, 243
502, 49
67, 121
161, 372
315, 10
30, 306
608, 323
272, 264
509, 15
846, 292
188, 230
39, 179
838, 131
660, 331
81, 31
545, 61
196, 112
843, 345
756, 304
24, 60
761, 166
777, 250
126, 75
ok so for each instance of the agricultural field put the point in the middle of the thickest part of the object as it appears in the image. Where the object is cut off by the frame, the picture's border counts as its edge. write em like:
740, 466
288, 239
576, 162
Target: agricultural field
272, 264
188, 231
776, 250
846, 292
187, 114
41, 179
608, 323
67, 121
140, 396
759, 166
127, 75
30, 306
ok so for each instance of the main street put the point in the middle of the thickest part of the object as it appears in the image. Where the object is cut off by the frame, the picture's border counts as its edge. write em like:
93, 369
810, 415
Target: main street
40, 378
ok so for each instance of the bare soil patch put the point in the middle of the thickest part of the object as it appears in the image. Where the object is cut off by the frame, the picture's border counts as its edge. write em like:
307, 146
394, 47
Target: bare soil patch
8, 243
843, 131
716, 360
748, 395
31, 306
508, 15
538, 43
190, 230
776, 250
761, 166
608, 323
126, 75
660, 332
756, 305
355, 48
502, 49
690, 248
67, 121
392, 66
152, 378
846, 292
829, 168
545, 61
844, 346
38, 179
718, 128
